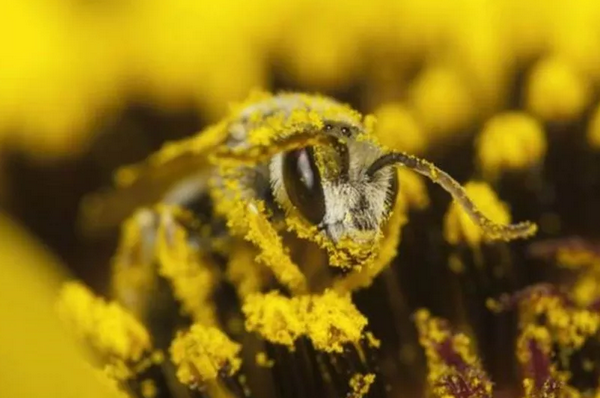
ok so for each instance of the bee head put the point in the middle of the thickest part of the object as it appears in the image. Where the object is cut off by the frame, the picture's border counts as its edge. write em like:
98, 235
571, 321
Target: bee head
330, 186
348, 188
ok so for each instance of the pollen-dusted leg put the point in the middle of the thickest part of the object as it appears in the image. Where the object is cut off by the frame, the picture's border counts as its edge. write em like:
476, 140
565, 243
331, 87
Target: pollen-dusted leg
163, 275
247, 218
121, 345
207, 362
134, 277
158, 245
183, 262
236, 199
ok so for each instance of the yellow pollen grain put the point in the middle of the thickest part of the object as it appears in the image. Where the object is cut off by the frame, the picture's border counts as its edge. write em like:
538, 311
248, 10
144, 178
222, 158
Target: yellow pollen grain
264, 361
510, 142
360, 385
456, 264
284, 124
570, 327
118, 370
274, 317
329, 320
344, 254
586, 289
247, 218
148, 388
105, 325
528, 387
430, 327
187, 269
540, 335
273, 254
110, 383
462, 345
202, 352
372, 340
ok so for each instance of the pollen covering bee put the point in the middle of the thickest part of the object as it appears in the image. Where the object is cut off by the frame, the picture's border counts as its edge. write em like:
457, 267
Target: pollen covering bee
287, 163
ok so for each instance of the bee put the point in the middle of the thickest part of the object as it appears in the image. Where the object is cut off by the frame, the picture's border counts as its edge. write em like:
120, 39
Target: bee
280, 164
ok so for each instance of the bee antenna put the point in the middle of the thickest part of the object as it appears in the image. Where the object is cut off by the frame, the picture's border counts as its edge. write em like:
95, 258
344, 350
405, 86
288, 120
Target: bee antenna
450, 185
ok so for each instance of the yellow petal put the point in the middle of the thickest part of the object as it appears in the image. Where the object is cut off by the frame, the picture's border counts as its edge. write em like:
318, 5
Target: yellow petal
39, 360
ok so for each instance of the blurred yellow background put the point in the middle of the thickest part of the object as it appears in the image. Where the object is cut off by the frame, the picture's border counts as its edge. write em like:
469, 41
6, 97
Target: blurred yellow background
66, 65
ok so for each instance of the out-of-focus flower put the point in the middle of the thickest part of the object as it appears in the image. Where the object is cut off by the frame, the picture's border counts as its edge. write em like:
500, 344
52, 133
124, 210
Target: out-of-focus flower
556, 91
568, 324
581, 257
66, 63
510, 142
56, 75
397, 129
534, 351
552, 331
442, 101
454, 369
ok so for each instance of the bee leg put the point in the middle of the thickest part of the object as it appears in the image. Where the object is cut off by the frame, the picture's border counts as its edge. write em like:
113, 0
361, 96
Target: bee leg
161, 266
134, 276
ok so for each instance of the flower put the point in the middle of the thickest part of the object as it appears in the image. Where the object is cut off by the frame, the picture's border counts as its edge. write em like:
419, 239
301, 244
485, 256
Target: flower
454, 370
510, 142
202, 353
501, 94
556, 91
397, 129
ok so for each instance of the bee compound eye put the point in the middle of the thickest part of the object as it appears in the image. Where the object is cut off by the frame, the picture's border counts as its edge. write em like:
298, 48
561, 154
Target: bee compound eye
303, 185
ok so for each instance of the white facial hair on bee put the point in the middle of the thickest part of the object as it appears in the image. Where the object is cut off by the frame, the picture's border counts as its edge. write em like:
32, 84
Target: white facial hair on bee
356, 204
